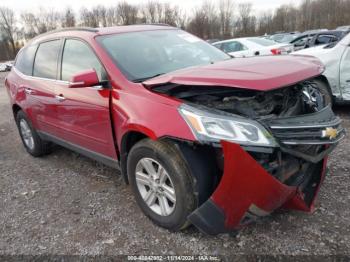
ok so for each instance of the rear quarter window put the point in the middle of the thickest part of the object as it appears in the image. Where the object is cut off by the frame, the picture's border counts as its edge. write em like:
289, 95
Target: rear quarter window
25, 60
45, 64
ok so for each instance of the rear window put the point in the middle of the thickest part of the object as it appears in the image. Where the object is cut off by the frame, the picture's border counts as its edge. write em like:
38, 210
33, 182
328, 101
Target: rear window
25, 59
45, 64
261, 41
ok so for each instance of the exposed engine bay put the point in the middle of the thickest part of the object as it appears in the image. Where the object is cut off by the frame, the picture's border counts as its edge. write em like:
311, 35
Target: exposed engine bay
302, 98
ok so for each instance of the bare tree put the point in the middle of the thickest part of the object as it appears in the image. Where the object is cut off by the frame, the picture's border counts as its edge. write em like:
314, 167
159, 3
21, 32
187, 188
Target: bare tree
246, 22
128, 13
99, 13
30, 29
226, 14
211, 19
44, 20
149, 12
68, 18
8, 27
49, 19
87, 18
205, 22
112, 17
265, 23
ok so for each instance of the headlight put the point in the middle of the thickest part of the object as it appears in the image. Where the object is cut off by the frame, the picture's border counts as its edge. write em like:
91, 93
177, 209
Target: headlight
211, 127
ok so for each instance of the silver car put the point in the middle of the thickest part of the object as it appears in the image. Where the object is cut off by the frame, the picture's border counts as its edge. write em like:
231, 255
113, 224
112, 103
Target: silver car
336, 58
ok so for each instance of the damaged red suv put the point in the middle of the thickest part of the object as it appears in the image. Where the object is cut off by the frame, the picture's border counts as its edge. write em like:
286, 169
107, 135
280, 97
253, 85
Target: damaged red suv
200, 137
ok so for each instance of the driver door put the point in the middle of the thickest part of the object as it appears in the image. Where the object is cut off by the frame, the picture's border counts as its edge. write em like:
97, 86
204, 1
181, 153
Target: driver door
83, 116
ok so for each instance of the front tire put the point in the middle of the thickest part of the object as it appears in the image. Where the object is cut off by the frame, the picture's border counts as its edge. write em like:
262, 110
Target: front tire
162, 184
30, 138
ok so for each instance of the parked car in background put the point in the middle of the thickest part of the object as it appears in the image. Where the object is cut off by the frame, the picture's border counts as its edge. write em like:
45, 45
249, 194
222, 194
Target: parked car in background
343, 28
320, 38
253, 46
336, 58
9, 65
284, 37
314, 31
3, 67
200, 137
211, 41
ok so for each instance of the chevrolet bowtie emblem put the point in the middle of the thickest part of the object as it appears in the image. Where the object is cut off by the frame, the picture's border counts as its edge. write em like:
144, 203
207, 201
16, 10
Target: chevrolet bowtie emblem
330, 132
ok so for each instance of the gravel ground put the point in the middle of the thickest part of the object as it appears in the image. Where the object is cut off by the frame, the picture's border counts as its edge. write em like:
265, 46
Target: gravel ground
65, 203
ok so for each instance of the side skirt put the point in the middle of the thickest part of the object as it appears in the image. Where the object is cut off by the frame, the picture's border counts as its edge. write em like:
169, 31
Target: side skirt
81, 150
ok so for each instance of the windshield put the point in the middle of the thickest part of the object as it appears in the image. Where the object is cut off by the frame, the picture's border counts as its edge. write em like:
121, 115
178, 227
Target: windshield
146, 54
261, 41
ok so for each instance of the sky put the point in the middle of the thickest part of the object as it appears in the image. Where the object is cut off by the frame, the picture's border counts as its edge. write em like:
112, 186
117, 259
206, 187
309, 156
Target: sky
21, 5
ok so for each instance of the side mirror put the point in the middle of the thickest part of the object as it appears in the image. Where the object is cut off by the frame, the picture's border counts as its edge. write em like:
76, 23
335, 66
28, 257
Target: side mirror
86, 78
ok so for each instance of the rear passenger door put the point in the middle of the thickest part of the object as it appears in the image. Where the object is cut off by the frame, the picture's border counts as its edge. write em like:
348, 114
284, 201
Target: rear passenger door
39, 77
83, 115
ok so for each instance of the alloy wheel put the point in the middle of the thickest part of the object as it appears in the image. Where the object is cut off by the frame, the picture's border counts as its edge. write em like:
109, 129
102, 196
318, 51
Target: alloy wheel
155, 186
27, 134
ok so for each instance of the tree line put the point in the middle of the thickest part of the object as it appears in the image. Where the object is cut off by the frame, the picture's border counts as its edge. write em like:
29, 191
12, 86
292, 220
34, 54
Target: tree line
220, 19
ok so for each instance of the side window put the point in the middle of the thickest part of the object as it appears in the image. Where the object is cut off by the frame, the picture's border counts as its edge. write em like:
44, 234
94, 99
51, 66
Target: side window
325, 39
302, 41
25, 59
45, 64
230, 47
78, 57
218, 46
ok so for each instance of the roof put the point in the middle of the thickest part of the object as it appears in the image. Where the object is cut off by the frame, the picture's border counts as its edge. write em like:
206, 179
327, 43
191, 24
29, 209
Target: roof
91, 32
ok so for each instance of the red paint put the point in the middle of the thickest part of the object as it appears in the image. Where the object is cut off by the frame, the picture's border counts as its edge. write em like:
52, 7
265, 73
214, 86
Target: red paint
246, 183
85, 116
84, 79
259, 73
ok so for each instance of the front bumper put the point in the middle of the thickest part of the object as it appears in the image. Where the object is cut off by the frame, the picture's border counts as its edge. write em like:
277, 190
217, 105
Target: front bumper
248, 191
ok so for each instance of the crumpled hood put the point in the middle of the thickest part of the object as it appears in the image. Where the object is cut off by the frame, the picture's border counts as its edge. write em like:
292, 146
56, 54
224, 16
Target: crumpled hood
256, 73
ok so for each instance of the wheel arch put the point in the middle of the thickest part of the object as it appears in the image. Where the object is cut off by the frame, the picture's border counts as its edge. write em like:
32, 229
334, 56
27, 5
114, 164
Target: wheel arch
15, 109
128, 140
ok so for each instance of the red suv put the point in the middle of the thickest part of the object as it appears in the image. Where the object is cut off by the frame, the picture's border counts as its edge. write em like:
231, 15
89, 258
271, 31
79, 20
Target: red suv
201, 138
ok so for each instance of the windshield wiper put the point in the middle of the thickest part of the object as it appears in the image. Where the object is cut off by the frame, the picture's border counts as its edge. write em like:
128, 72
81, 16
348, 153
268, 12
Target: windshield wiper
140, 80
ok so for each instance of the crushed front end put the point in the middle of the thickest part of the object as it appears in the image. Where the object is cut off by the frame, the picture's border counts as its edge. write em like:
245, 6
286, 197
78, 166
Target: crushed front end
272, 148
257, 181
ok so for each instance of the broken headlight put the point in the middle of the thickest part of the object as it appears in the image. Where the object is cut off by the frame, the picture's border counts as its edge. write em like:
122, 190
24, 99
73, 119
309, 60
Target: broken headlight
209, 127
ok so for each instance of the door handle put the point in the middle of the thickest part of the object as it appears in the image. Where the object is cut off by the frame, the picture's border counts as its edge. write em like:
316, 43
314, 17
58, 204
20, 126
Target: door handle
28, 90
60, 98
348, 81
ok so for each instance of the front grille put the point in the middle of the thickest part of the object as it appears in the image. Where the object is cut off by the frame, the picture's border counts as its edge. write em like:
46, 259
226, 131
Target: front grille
310, 135
320, 128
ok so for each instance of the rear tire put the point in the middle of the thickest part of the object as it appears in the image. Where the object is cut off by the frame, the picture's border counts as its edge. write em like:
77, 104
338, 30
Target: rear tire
161, 155
30, 138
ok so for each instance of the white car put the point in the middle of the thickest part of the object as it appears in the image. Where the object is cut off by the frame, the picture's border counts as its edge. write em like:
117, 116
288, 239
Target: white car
253, 46
3, 67
336, 58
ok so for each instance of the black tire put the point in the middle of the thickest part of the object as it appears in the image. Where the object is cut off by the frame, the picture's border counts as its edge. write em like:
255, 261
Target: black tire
40, 147
325, 91
170, 158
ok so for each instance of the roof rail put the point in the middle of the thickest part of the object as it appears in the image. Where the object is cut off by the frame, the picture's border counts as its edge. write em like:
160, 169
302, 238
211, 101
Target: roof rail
66, 29
88, 29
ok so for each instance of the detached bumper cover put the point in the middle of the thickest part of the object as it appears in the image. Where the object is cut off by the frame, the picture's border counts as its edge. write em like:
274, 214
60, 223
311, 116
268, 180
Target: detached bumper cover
247, 191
